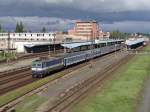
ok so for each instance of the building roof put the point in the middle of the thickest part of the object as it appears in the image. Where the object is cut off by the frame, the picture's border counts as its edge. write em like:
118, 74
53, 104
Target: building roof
75, 45
86, 21
134, 41
34, 45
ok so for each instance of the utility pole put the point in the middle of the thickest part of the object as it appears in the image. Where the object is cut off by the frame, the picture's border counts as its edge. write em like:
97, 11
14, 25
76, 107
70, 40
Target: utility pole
64, 46
49, 50
8, 47
54, 42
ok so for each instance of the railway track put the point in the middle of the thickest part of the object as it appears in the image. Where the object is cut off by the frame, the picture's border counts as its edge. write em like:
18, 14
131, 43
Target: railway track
32, 55
10, 78
82, 89
13, 72
16, 78
10, 82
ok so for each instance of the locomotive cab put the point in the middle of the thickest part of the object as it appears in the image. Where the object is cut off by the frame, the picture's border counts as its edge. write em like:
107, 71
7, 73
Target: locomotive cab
37, 69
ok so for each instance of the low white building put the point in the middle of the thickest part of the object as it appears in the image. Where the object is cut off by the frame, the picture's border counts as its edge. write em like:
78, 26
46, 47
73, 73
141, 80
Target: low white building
19, 40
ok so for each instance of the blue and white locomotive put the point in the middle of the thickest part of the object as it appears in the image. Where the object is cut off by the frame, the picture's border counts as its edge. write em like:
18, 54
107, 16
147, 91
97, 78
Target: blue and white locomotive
43, 67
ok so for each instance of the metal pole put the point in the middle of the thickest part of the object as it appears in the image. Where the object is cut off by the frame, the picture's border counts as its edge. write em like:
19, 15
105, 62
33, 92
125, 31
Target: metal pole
54, 44
64, 46
115, 50
49, 50
8, 47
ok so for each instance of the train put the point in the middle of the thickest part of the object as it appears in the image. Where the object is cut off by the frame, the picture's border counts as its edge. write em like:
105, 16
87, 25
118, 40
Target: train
43, 67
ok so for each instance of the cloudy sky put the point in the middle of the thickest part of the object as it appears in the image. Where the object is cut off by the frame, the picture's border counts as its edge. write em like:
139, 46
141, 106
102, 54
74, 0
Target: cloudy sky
126, 15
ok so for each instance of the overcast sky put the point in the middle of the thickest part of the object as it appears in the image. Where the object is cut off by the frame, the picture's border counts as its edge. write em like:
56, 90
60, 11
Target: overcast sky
126, 15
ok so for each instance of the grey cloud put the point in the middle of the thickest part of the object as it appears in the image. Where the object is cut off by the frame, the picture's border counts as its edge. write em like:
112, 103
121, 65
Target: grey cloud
37, 23
128, 26
86, 5
60, 14
101, 10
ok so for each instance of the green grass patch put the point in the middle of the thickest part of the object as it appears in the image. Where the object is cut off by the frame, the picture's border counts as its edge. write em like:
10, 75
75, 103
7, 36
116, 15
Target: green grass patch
4, 56
20, 91
121, 93
30, 104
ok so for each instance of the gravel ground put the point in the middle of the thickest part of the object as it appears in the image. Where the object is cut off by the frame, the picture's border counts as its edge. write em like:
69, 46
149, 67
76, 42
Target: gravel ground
144, 105
56, 88
15, 65
20, 63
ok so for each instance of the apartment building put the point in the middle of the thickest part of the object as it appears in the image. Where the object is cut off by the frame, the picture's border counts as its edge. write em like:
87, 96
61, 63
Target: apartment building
86, 30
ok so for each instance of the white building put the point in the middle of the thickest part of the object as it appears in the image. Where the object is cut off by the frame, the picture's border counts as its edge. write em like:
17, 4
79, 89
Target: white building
19, 40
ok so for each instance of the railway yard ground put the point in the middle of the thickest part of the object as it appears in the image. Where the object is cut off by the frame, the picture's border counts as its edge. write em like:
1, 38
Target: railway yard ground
94, 86
24, 61
124, 93
55, 90
16, 64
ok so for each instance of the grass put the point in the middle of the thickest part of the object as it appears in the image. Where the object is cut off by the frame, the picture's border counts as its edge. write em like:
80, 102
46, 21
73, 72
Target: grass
4, 56
20, 91
121, 93
1, 56
30, 104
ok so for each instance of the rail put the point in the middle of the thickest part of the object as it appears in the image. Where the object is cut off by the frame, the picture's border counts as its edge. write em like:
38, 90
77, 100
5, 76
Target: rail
36, 90
74, 94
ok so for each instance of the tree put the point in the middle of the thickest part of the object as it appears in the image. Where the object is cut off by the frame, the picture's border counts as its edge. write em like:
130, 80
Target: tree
43, 29
19, 27
17, 30
116, 34
0, 28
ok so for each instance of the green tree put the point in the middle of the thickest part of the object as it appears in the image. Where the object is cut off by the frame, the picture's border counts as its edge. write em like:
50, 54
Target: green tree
19, 28
43, 29
1, 29
116, 34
